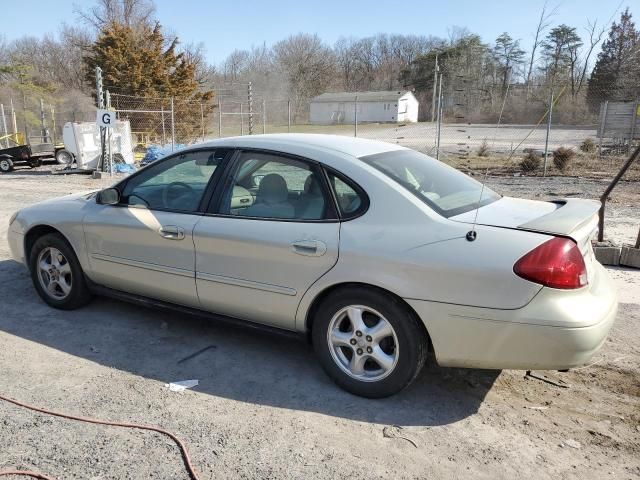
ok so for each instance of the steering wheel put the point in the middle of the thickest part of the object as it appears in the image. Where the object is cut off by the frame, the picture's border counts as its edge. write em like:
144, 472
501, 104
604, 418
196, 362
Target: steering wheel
172, 185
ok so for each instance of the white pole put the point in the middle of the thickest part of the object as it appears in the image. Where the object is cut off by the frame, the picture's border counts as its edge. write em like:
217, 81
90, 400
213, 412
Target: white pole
13, 120
439, 126
4, 125
264, 117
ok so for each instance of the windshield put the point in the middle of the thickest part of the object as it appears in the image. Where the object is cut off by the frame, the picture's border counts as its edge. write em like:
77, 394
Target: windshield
445, 189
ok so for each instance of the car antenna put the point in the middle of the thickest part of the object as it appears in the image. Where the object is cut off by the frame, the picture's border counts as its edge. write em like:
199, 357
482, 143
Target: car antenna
472, 234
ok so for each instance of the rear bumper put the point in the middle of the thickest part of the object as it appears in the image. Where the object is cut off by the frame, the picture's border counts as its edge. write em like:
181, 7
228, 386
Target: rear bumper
556, 330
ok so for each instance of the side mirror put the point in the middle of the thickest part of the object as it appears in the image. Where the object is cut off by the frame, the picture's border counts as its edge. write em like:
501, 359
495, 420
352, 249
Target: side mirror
108, 196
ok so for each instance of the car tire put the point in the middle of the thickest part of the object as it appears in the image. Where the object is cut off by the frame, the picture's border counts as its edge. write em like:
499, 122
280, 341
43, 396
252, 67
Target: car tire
64, 157
368, 341
56, 273
6, 164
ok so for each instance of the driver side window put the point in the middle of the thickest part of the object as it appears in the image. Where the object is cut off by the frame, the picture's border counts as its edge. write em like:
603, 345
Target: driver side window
177, 183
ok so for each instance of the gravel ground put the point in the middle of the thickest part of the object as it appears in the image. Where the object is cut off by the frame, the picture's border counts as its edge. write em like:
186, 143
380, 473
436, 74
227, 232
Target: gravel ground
264, 408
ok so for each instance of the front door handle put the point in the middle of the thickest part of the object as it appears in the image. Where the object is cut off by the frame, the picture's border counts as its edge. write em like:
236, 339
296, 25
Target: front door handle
309, 248
171, 232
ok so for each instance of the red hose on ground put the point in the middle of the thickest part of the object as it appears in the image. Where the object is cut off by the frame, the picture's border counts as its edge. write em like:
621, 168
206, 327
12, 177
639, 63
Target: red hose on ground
183, 449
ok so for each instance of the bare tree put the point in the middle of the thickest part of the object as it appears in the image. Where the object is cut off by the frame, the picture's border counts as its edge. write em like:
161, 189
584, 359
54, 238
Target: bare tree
543, 24
309, 65
126, 12
595, 37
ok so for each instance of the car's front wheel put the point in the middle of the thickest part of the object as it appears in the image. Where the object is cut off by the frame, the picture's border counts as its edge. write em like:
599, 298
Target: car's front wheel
368, 342
57, 274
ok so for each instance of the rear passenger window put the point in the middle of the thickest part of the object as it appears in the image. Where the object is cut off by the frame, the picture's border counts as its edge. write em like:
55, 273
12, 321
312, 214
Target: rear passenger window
271, 186
350, 201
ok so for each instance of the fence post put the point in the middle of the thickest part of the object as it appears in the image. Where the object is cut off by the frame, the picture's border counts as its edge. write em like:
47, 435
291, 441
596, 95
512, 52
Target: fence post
4, 125
288, 115
355, 117
241, 120
219, 118
264, 117
164, 135
435, 87
14, 120
250, 105
202, 119
546, 141
439, 118
173, 127
53, 123
603, 125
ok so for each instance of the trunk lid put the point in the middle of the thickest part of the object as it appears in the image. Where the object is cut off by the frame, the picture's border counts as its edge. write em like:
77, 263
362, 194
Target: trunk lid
568, 217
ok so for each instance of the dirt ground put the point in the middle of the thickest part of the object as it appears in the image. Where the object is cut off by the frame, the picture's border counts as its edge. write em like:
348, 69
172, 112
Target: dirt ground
264, 408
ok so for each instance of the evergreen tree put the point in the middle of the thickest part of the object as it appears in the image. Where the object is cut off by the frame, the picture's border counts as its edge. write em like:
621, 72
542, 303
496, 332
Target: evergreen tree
616, 73
509, 55
560, 50
137, 62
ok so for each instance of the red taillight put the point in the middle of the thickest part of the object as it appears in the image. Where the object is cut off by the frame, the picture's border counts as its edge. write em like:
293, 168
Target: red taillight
556, 263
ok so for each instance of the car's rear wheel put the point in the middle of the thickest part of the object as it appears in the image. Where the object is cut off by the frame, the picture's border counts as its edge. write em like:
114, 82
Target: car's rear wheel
57, 274
368, 342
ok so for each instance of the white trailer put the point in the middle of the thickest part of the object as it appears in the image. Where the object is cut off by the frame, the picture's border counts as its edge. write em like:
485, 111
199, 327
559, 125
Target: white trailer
82, 143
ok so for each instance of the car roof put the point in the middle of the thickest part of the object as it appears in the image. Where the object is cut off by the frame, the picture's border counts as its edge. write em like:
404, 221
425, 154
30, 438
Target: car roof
356, 147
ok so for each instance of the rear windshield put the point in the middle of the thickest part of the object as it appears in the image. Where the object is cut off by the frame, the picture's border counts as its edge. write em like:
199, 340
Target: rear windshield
445, 189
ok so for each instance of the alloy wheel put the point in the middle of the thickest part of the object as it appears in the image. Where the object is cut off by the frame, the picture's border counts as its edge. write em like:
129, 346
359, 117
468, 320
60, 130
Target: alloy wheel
363, 343
54, 273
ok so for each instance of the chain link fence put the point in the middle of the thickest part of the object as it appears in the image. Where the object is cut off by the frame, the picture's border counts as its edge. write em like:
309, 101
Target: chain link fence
509, 133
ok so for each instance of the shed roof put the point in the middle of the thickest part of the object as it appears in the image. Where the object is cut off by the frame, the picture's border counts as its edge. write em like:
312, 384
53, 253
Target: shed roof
384, 96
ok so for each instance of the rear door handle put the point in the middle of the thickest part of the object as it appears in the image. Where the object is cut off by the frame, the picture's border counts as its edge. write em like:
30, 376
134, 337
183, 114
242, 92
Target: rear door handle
171, 232
309, 248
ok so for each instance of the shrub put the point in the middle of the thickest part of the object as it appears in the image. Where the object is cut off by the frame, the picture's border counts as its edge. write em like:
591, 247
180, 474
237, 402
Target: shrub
588, 145
531, 162
562, 157
483, 149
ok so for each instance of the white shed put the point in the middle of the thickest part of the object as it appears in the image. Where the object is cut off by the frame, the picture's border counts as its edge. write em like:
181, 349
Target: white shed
387, 107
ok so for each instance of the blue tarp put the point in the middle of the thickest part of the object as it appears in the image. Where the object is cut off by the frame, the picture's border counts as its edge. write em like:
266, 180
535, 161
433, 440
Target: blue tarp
123, 168
156, 152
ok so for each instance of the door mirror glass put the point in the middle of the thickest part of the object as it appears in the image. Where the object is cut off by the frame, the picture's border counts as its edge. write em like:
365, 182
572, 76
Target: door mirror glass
109, 196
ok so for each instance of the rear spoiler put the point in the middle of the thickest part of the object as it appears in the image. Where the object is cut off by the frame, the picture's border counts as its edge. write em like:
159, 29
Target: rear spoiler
571, 215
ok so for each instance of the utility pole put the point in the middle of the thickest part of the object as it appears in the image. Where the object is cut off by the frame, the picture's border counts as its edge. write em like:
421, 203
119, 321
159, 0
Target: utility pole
435, 86
546, 141
439, 125
109, 138
250, 104
100, 104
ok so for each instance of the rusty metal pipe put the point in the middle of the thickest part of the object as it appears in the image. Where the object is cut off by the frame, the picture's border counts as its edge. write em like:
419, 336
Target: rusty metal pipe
605, 195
